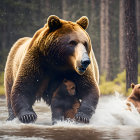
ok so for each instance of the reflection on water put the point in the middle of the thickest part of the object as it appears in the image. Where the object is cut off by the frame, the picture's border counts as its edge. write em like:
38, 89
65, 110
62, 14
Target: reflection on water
111, 121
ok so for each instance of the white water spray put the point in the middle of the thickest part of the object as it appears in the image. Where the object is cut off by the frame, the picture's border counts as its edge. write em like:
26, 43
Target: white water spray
111, 111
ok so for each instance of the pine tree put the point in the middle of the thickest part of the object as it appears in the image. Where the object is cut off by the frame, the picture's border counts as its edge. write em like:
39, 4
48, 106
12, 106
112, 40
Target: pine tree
108, 63
102, 35
121, 36
131, 43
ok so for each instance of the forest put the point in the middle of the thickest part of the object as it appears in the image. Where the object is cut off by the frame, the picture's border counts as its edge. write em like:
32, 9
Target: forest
114, 29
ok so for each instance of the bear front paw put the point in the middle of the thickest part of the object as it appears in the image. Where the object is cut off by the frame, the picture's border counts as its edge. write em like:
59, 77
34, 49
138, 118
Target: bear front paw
81, 117
28, 117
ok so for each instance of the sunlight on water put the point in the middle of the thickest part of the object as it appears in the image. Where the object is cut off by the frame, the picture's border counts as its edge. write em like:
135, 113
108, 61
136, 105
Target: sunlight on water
111, 119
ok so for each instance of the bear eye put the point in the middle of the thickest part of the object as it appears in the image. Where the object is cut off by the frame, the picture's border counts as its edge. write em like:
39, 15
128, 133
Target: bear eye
65, 80
73, 88
73, 42
85, 44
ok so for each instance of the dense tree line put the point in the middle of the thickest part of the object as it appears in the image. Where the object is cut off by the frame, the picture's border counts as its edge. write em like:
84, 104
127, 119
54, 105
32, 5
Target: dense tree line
106, 28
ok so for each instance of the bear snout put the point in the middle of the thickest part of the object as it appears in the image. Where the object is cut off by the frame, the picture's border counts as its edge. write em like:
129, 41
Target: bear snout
84, 62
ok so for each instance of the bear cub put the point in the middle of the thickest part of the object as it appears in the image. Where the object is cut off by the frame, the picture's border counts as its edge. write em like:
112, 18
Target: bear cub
134, 97
64, 102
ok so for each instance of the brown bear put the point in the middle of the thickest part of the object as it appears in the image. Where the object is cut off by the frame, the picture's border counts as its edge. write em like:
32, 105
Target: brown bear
65, 101
38, 65
134, 97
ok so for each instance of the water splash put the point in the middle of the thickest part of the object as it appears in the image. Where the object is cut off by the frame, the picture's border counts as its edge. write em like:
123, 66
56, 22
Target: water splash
111, 111
6, 137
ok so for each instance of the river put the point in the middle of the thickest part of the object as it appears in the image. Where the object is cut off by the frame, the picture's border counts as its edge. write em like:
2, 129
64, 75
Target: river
111, 121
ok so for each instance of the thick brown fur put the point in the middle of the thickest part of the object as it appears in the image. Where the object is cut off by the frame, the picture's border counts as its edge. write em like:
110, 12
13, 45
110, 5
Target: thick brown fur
36, 66
70, 113
134, 97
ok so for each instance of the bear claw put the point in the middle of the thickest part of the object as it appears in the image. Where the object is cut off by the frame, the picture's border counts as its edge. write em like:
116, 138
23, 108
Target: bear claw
81, 117
28, 118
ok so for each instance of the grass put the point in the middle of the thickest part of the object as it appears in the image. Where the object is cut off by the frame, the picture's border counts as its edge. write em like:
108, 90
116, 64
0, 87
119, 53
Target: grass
109, 87
118, 84
1, 83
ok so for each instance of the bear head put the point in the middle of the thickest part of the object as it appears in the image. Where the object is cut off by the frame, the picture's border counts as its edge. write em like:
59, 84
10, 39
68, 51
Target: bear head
70, 87
66, 44
136, 90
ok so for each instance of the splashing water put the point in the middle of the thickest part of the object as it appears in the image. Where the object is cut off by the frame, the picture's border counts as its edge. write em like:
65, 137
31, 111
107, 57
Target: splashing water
112, 111
109, 121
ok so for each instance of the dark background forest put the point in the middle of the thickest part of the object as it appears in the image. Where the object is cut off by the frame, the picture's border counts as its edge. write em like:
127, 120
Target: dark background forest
107, 30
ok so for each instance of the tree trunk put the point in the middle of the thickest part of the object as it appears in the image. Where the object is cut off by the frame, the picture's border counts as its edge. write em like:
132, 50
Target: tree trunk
108, 63
138, 20
86, 11
92, 19
92, 15
65, 10
121, 36
131, 43
44, 8
4, 38
102, 36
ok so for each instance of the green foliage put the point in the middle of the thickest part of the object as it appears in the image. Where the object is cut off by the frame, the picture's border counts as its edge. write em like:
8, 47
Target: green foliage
109, 87
139, 53
118, 84
139, 73
1, 83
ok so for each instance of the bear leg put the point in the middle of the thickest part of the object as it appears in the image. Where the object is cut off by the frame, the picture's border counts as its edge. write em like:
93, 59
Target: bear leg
57, 115
57, 111
87, 108
70, 113
23, 108
8, 87
11, 113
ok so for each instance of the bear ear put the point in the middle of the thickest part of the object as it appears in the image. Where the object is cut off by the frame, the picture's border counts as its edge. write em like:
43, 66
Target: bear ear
54, 23
65, 80
83, 22
132, 85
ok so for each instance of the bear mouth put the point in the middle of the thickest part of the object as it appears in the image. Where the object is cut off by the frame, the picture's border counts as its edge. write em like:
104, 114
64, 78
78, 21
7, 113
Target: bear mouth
81, 69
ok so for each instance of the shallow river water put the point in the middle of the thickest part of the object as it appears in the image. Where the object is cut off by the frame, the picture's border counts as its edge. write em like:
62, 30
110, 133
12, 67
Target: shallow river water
111, 121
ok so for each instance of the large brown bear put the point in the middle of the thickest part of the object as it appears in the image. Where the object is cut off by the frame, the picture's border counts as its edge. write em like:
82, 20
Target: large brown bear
134, 97
37, 66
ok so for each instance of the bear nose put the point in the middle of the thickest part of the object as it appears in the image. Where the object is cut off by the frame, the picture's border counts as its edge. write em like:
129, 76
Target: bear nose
85, 61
